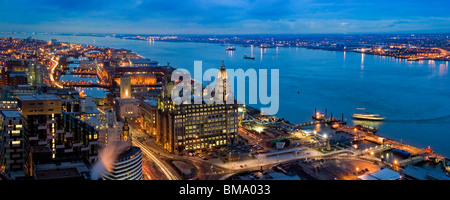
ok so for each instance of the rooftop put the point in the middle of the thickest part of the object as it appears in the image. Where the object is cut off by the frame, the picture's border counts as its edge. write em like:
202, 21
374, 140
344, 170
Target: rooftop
71, 173
38, 97
143, 61
151, 102
383, 174
10, 113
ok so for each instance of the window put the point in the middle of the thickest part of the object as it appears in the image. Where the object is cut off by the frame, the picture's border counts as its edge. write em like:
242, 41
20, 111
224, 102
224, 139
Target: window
15, 142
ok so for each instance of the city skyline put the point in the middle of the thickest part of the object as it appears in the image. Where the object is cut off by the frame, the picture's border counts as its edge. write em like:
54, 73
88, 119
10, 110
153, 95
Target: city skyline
224, 90
222, 17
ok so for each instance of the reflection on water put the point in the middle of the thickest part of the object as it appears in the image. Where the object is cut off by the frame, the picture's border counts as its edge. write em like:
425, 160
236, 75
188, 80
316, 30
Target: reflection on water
261, 54
318, 128
391, 156
362, 61
95, 92
443, 69
76, 78
230, 53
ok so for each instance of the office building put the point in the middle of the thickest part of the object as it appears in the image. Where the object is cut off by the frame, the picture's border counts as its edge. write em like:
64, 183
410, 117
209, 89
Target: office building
109, 129
189, 126
149, 111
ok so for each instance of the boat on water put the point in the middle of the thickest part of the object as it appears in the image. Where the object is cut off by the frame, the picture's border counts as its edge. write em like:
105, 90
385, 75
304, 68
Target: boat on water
230, 48
247, 57
368, 116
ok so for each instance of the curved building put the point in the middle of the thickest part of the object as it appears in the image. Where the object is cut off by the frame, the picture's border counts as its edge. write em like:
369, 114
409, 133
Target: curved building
128, 166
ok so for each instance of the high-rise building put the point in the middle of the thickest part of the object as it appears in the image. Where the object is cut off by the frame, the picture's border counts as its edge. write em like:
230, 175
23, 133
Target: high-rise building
12, 143
125, 87
109, 128
17, 78
149, 111
189, 126
41, 114
55, 135
126, 106
128, 165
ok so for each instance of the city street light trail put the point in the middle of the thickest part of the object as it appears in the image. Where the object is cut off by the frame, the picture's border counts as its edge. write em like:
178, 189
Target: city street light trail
159, 163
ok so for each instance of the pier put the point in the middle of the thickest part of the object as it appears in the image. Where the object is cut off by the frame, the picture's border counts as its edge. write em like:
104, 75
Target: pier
417, 154
318, 121
371, 137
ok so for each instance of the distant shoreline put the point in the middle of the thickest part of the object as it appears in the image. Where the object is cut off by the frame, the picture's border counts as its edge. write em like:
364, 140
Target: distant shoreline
245, 45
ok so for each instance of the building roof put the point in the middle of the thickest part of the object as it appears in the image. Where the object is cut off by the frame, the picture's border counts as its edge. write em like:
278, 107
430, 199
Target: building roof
17, 74
10, 113
143, 61
366, 177
383, 174
70, 173
38, 97
423, 174
151, 102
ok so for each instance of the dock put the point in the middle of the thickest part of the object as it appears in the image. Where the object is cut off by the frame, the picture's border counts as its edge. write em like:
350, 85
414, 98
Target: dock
371, 137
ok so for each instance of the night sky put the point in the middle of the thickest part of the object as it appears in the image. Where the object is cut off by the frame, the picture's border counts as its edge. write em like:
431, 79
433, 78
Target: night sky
225, 17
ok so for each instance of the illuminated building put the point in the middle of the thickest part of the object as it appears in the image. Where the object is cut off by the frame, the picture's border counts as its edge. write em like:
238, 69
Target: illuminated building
143, 72
143, 79
128, 165
149, 111
12, 143
109, 129
55, 135
125, 105
187, 126
125, 87
8, 95
16, 78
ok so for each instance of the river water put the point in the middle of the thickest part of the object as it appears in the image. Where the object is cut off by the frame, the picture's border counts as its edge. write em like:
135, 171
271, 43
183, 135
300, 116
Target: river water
413, 96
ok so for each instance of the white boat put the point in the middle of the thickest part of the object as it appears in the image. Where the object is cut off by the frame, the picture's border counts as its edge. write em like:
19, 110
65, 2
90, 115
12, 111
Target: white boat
368, 116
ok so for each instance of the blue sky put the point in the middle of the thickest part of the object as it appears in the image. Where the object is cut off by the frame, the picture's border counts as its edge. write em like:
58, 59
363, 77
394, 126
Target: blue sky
225, 17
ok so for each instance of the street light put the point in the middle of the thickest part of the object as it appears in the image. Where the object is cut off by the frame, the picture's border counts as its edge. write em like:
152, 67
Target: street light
259, 129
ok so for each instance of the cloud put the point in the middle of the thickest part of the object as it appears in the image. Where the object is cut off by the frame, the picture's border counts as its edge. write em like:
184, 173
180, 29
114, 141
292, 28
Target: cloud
222, 16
